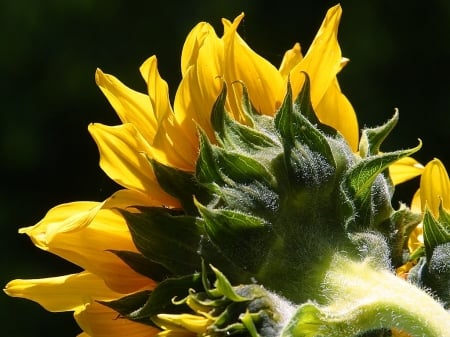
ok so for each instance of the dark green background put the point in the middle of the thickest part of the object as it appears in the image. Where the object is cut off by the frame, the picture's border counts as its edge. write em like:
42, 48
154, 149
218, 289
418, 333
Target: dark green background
399, 51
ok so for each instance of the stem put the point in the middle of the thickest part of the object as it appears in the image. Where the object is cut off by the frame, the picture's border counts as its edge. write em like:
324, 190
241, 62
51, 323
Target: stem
362, 299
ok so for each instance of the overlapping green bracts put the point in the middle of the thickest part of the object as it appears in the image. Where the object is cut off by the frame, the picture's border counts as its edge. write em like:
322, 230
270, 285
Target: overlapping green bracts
281, 203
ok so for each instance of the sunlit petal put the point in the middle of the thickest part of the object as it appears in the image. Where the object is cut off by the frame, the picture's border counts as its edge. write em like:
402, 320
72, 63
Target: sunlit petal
322, 61
334, 109
62, 293
192, 45
199, 88
122, 156
88, 246
263, 81
158, 91
291, 58
173, 146
435, 187
131, 106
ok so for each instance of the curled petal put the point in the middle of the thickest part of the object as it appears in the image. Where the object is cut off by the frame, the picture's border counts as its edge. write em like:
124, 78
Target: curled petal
88, 245
62, 293
193, 43
435, 187
122, 156
158, 91
98, 320
263, 81
291, 58
131, 106
322, 61
199, 88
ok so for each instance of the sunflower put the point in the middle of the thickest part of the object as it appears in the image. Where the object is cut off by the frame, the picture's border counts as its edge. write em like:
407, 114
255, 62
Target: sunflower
220, 176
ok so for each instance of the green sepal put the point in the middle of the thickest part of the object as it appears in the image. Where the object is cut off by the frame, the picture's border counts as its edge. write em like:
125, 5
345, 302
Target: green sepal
167, 238
142, 265
436, 276
215, 165
304, 105
235, 136
435, 231
372, 138
241, 237
295, 128
180, 184
254, 197
403, 223
371, 197
223, 287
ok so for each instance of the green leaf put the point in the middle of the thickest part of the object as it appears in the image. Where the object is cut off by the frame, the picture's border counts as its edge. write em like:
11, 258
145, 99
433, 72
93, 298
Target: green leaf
170, 240
143, 266
372, 138
243, 238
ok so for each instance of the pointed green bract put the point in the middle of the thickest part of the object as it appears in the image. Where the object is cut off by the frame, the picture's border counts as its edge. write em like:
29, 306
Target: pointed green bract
372, 138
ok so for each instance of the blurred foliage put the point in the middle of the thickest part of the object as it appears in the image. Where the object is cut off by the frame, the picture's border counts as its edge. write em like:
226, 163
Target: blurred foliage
400, 57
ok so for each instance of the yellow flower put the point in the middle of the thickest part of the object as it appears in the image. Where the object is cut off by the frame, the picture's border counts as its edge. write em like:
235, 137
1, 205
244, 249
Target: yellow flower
85, 233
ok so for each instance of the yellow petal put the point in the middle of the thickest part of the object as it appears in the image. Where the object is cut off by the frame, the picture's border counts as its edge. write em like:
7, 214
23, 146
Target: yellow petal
404, 170
192, 45
88, 245
63, 293
415, 239
131, 106
122, 156
199, 88
335, 110
291, 58
322, 61
98, 320
174, 146
158, 91
263, 81
435, 187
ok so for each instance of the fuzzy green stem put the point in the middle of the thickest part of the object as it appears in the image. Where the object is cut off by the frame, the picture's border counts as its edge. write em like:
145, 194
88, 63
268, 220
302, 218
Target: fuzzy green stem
362, 299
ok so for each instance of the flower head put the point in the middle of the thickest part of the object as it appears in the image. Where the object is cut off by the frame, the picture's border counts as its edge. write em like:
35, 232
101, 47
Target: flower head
258, 171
